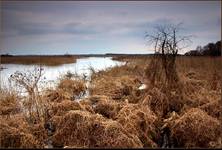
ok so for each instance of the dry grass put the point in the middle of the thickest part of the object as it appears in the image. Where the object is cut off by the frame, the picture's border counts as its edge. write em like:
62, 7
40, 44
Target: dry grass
44, 60
82, 129
119, 115
157, 101
105, 106
195, 128
67, 89
72, 87
140, 121
60, 109
117, 88
16, 132
9, 103
212, 108
13, 138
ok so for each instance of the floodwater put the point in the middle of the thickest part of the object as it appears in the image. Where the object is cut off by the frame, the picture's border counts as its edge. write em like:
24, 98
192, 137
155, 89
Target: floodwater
52, 73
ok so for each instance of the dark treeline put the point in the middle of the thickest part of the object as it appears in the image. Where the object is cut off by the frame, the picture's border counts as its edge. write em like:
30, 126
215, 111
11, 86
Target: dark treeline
211, 49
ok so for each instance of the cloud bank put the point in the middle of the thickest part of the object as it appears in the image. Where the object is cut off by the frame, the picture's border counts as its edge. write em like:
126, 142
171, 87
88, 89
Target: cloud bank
100, 27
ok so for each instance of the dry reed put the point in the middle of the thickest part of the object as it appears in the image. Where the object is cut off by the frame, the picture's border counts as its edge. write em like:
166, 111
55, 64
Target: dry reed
43, 60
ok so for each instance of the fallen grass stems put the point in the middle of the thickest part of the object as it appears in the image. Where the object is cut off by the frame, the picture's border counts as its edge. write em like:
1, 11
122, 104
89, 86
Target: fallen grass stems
117, 114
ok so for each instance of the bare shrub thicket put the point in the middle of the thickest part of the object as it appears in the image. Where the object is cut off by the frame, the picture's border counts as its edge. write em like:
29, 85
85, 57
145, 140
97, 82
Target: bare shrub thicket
29, 81
167, 43
162, 70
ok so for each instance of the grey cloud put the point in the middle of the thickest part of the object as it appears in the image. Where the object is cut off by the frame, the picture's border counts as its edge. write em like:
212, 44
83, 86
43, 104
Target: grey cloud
101, 21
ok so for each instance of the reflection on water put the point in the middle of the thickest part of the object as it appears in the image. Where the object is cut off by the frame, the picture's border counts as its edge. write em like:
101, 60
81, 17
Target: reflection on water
52, 73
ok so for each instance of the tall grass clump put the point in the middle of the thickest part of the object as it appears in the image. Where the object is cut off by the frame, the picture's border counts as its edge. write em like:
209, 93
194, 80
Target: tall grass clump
69, 86
9, 102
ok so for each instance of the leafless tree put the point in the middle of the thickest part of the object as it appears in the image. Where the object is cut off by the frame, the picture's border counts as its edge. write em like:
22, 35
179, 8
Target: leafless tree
167, 43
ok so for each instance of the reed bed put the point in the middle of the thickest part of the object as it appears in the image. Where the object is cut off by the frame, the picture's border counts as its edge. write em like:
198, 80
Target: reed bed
38, 60
118, 113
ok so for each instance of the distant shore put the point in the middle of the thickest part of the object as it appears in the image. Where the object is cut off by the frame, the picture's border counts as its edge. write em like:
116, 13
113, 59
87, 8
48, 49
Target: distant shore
38, 59
54, 60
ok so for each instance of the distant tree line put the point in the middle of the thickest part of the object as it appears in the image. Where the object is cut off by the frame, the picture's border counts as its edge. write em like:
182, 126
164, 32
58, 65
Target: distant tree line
6, 55
211, 49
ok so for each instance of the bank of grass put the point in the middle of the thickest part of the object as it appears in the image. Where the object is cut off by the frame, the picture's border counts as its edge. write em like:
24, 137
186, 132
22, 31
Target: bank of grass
43, 60
118, 114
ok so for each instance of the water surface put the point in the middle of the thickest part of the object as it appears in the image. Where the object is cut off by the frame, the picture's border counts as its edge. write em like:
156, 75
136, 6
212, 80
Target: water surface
52, 73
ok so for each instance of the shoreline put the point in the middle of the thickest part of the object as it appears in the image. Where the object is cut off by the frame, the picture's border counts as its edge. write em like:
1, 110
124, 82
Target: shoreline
42, 60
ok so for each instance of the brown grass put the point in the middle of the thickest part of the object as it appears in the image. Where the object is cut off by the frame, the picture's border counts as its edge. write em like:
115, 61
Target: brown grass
60, 109
9, 103
43, 60
72, 87
195, 129
157, 101
82, 129
13, 138
212, 108
105, 106
119, 115
140, 121
16, 132
117, 88
67, 89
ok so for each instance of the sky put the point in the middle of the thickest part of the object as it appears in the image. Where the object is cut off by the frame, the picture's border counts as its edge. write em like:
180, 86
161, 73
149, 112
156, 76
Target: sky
99, 27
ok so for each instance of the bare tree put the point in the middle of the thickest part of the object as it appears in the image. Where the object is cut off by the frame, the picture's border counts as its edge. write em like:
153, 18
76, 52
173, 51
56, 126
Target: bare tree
167, 43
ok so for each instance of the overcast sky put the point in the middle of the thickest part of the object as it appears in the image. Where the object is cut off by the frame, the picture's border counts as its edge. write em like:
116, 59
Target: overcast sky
74, 27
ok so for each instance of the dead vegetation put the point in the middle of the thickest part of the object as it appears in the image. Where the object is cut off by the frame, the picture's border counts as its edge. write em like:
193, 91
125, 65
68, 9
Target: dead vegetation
117, 88
72, 88
14, 138
140, 121
83, 129
212, 108
105, 106
68, 88
198, 88
195, 128
17, 132
117, 114
26, 119
9, 103
60, 109
43, 60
